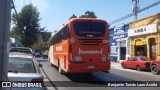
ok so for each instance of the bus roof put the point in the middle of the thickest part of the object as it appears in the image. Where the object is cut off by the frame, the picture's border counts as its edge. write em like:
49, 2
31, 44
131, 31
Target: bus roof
73, 19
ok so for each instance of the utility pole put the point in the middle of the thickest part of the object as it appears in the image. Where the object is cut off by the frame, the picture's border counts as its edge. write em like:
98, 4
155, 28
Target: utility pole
135, 8
5, 19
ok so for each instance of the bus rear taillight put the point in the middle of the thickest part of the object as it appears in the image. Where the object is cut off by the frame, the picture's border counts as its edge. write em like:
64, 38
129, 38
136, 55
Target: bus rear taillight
108, 56
104, 58
70, 53
70, 48
71, 59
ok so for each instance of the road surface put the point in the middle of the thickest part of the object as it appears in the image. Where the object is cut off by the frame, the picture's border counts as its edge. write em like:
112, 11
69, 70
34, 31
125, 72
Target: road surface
96, 81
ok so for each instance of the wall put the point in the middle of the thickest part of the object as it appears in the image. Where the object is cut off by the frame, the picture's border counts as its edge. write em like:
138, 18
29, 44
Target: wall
144, 38
118, 34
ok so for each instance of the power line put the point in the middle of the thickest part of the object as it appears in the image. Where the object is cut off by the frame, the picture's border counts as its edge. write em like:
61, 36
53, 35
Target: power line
13, 6
152, 5
127, 16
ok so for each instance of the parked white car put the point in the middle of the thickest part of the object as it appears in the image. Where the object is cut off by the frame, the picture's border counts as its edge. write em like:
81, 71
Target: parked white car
24, 68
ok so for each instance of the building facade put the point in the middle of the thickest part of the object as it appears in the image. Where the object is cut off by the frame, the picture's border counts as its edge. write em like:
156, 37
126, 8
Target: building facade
119, 42
144, 36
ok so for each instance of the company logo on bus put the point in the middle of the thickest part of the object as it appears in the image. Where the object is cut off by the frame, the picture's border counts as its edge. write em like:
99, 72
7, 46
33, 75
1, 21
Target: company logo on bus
58, 48
90, 51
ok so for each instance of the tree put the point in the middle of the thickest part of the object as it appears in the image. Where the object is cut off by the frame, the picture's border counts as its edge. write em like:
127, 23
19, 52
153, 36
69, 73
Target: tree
38, 45
88, 14
27, 25
45, 36
73, 16
41, 43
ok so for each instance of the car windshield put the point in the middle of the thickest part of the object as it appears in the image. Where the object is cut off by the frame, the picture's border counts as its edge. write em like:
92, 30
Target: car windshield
144, 59
21, 65
21, 50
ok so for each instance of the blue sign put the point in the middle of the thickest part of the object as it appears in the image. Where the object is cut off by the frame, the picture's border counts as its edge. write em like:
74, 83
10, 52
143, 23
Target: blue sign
119, 33
119, 29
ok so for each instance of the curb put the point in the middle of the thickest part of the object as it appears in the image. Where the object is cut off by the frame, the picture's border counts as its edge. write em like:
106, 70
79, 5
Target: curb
46, 79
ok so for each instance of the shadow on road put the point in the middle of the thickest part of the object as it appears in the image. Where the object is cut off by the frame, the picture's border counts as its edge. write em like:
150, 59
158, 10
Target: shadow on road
93, 79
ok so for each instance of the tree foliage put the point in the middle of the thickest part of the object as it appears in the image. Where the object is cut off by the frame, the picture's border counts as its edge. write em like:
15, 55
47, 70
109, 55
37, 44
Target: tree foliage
41, 43
38, 44
73, 16
88, 14
45, 36
27, 25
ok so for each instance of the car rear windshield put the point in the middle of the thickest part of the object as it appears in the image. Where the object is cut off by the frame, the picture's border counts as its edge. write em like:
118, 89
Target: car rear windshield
21, 50
89, 29
21, 65
144, 58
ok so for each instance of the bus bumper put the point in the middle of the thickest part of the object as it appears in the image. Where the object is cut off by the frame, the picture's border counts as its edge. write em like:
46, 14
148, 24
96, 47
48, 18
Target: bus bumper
85, 68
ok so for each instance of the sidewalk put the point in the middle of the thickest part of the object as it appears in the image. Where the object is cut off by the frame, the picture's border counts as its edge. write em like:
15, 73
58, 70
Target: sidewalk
116, 65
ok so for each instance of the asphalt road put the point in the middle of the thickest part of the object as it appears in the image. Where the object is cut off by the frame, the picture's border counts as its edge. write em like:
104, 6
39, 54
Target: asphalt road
96, 81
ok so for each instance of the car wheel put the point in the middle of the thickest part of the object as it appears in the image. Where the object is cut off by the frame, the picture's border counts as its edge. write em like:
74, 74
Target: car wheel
154, 69
51, 64
138, 68
123, 66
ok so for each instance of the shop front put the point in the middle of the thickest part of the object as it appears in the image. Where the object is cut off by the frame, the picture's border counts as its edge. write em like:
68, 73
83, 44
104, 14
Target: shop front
144, 37
119, 42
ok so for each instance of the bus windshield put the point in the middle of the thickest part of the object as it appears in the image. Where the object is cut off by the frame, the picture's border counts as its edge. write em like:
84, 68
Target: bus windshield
89, 29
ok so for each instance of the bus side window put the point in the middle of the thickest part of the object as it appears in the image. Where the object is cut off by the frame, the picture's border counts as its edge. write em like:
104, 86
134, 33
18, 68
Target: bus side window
65, 33
62, 36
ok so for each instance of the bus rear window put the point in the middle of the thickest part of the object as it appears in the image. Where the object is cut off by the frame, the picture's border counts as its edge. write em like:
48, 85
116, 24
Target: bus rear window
89, 29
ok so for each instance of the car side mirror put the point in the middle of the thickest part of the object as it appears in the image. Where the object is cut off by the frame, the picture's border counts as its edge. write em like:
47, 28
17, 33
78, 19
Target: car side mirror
33, 54
40, 65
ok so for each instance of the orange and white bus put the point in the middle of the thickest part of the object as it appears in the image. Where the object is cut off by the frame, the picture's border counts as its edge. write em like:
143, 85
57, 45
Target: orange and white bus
81, 46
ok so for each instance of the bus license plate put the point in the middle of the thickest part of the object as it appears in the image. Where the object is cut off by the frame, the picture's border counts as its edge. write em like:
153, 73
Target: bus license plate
90, 67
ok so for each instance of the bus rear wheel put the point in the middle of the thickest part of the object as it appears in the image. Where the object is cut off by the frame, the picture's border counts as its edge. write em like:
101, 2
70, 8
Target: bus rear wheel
59, 68
51, 64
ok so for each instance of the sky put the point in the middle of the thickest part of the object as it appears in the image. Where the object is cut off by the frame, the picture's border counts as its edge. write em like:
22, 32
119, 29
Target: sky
55, 13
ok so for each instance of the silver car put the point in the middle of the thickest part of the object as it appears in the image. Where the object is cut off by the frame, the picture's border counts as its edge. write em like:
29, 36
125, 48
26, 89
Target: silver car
24, 68
26, 50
